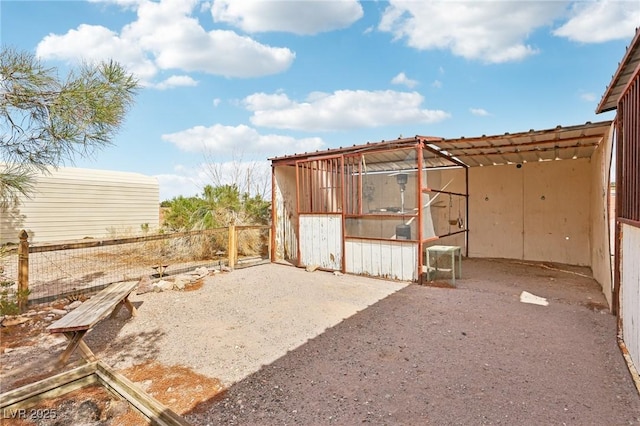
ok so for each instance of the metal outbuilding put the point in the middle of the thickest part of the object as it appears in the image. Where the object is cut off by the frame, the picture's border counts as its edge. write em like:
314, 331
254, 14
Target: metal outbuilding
623, 95
73, 203
374, 209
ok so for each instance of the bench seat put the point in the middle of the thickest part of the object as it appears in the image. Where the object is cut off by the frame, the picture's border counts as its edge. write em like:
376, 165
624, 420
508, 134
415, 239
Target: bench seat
78, 322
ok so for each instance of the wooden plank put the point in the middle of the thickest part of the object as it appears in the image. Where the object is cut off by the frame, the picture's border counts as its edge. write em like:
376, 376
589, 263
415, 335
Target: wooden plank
93, 310
150, 407
53, 393
89, 374
48, 388
77, 244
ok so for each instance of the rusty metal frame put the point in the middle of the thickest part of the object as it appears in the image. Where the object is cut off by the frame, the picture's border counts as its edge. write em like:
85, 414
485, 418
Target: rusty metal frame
347, 158
629, 150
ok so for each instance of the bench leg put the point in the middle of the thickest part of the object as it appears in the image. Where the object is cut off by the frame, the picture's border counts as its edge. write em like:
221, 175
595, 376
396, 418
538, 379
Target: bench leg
76, 342
127, 303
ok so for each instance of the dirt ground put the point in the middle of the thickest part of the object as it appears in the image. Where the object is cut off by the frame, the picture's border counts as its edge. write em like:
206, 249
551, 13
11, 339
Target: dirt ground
274, 344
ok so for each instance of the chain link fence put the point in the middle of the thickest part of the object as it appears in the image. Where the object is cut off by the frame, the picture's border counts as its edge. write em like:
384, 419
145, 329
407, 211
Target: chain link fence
68, 269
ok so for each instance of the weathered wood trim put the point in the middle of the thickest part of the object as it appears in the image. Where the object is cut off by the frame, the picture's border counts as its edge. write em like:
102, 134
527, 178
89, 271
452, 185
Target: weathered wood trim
95, 309
52, 387
150, 407
44, 247
89, 374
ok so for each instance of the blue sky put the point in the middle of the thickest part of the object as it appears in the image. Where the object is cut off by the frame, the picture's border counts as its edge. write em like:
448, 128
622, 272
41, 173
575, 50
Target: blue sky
227, 84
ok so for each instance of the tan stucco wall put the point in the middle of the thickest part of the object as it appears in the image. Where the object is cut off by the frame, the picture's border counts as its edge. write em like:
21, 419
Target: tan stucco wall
496, 212
538, 212
600, 217
286, 216
557, 198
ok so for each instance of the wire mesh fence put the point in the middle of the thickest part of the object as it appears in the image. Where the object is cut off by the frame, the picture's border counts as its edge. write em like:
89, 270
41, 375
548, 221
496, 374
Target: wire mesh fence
67, 269
253, 243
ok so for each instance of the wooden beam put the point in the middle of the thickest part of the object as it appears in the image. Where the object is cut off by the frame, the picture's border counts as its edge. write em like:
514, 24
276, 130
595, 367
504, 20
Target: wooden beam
44, 247
52, 387
86, 375
232, 249
146, 404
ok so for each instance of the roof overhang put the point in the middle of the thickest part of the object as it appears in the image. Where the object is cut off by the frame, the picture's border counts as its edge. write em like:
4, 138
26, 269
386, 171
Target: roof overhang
369, 147
561, 143
627, 69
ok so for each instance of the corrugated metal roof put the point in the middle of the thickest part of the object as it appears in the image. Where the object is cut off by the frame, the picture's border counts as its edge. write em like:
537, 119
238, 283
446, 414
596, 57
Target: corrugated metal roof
560, 143
629, 66
368, 147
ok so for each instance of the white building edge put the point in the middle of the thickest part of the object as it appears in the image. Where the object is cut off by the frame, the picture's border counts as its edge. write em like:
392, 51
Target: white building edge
71, 203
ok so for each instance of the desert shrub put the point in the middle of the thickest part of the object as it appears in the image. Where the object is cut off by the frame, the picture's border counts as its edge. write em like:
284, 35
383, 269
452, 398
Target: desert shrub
8, 298
216, 207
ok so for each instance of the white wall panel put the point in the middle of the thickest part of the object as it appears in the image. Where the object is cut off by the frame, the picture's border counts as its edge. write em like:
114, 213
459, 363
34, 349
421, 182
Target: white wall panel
386, 259
630, 291
321, 241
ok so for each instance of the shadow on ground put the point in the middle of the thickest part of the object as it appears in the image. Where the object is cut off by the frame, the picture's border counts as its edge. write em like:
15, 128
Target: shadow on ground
468, 355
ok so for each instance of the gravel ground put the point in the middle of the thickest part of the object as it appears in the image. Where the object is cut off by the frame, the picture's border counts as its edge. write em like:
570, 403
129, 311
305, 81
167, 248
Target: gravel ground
293, 347
471, 355
240, 321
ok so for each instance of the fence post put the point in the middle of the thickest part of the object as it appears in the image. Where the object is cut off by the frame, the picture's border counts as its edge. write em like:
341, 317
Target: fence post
232, 250
23, 270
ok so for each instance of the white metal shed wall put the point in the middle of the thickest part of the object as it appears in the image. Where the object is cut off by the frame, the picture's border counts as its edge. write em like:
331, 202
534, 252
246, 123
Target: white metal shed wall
630, 288
73, 203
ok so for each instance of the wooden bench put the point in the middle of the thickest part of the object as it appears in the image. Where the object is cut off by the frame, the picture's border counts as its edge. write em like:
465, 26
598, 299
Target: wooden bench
78, 322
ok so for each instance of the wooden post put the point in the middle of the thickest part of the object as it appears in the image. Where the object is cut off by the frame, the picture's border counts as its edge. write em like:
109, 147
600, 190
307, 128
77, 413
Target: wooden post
232, 250
23, 270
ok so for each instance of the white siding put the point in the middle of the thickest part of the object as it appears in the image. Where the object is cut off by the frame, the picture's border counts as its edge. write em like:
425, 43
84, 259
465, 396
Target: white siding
72, 203
321, 241
630, 291
387, 259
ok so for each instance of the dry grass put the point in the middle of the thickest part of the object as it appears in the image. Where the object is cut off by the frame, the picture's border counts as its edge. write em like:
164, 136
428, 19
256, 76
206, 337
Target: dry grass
177, 387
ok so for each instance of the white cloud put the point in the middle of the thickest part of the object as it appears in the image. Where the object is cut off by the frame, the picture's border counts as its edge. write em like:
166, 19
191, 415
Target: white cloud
403, 79
436, 84
217, 102
94, 43
226, 140
176, 81
343, 109
166, 36
123, 3
173, 185
600, 21
491, 32
588, 97
298, 17
479, 112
